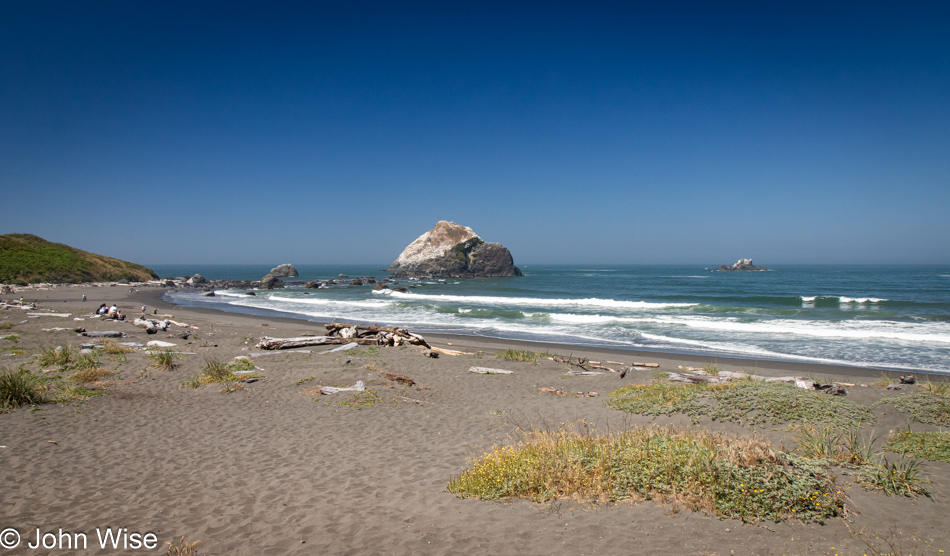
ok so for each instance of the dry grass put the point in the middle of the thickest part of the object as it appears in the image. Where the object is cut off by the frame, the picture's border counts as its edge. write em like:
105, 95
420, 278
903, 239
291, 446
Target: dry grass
93, 374
183, 548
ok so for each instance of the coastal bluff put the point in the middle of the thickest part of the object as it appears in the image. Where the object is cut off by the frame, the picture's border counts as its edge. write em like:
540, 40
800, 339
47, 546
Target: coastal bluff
742, 265
450, 250
29, 259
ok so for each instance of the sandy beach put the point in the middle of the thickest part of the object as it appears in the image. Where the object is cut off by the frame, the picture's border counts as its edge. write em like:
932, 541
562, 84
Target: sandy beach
277, 468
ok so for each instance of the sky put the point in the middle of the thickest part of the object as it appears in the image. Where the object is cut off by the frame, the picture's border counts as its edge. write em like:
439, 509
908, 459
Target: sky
573, 133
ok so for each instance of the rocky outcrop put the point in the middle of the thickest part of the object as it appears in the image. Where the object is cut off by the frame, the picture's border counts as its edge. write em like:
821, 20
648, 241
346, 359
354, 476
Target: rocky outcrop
452, 251
742, 264
284, 271
270, 282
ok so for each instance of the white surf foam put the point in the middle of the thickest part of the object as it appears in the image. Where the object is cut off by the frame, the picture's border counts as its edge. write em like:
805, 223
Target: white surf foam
532, 301
858, 330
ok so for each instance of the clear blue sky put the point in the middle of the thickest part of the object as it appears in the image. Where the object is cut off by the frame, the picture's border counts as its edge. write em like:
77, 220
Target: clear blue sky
337, 132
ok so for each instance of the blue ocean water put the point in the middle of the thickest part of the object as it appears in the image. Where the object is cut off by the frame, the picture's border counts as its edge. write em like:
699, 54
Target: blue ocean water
878, 316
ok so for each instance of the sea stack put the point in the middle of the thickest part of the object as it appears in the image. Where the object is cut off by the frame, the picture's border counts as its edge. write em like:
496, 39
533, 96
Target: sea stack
450, 250
742, 264
285, 270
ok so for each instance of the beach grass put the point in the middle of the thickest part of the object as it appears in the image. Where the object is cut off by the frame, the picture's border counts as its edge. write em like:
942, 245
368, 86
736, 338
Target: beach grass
215, 371
19, 387
746, 401
93, 374
60, 356
182, 548
900, 478
924, 407
109, 347
933, 446
521, 355
164, 359
739, 477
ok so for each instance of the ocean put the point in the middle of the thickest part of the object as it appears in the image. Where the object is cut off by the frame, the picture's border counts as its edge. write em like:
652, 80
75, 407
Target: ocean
888, 317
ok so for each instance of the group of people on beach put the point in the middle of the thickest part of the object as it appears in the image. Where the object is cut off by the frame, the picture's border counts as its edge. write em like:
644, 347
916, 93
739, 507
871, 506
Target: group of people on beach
110, 312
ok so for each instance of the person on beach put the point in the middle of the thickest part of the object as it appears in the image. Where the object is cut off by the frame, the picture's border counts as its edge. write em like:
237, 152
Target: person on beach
113, 310
143, 310
83, 298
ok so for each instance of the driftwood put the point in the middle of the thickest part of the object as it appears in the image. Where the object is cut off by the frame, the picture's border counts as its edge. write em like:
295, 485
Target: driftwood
452, 352
104, 334
430, 353
693, 378
376, 334
358, 387
653, 365
401, 379
344, 347
582, 373
288, 343
488, 371
592, 366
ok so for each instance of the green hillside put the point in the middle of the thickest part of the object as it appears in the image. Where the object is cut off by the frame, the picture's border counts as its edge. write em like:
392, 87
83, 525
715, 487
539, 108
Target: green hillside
27, 259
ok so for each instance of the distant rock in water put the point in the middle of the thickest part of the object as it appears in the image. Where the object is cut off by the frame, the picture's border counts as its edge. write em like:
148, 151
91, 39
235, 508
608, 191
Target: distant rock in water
284, 271
742, 264
452, 251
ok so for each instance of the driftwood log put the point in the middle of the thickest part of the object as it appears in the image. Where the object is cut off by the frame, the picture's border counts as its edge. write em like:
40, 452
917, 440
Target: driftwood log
343, 333
488, 371
358, 387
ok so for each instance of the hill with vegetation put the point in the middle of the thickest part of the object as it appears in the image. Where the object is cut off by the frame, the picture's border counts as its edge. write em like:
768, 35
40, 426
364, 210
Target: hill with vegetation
28, 259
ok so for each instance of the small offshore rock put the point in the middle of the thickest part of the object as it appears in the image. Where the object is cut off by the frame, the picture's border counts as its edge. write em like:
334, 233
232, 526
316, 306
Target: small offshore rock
380, 286
356, 282
207, 294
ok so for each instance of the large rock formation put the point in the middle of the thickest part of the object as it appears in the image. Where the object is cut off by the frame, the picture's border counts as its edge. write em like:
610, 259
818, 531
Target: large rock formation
284, 271
742, 264
452, 251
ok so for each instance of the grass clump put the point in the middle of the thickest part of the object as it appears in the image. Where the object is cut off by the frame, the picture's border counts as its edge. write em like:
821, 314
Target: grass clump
94, 374
59, 356
217, 371
164, 359
750, 401
183, 548
19, 387
901, 478
933, 446
728, 476
924, 407
521, 355
109, 347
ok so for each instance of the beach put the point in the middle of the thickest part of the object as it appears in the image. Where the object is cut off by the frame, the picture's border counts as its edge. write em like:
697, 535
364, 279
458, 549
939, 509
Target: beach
277, 468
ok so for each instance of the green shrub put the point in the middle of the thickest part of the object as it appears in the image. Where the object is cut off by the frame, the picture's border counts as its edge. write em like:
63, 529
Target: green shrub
934, 446
738, 477
924, 407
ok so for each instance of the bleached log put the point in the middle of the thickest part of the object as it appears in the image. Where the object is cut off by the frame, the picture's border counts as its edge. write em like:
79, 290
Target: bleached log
696, 378
260, 353
488, 371
592, 366
582, 373
358, 387
64, 315
288, 343
452, 352
654, 365
344, 347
